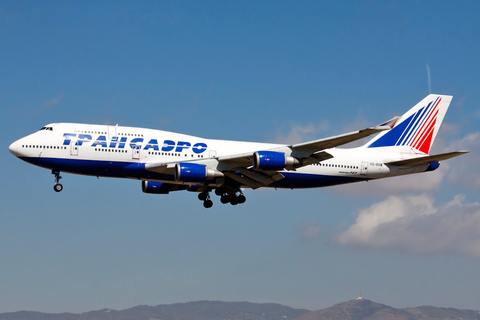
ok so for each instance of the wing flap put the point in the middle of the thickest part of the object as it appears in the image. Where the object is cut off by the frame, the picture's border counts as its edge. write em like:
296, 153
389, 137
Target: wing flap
165, 168
243, 180
264, 178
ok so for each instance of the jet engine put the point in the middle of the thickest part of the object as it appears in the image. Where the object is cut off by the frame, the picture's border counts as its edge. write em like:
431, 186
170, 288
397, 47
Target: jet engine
433, 166
160, 188
271, 160
194, 172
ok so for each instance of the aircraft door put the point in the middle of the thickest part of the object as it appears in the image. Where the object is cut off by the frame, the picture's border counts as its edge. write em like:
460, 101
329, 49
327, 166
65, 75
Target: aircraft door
73, 148
136, 153
112, 132
213, 153
364, 168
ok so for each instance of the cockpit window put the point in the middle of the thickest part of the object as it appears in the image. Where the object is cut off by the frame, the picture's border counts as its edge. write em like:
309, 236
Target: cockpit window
43, 128
46, 128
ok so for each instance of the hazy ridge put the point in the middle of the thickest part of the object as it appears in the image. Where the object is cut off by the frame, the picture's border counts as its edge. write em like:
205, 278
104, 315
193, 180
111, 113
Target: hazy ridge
217, 310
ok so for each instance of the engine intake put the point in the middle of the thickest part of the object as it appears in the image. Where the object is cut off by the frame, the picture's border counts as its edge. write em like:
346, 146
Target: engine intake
194, 172
271, 160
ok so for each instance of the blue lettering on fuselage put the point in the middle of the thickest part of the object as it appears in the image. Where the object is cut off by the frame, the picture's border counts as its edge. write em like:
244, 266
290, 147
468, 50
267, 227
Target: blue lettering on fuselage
135, 143
68, 137
121, 143
101, 141
182, 145
168, 145
152, 144
83, 138
199, 147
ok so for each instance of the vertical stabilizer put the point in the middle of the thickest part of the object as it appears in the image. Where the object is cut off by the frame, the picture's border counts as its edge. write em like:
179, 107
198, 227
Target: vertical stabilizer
416, 130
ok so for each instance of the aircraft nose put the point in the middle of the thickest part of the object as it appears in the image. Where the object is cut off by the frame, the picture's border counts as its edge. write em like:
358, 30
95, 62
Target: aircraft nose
13, 148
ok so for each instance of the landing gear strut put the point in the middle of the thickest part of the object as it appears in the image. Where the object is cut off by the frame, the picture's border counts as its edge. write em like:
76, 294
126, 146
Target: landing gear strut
57, 187
205, 197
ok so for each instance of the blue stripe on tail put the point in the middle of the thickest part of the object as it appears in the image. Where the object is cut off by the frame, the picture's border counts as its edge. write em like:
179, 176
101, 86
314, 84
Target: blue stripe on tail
392, 136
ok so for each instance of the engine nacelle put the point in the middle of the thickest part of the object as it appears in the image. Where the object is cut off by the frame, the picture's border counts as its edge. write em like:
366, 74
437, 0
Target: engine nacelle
271, 160
433, 166
160, 188
194, 172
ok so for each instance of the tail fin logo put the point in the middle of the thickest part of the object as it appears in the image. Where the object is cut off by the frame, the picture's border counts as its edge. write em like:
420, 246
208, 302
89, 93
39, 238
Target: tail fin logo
416, 131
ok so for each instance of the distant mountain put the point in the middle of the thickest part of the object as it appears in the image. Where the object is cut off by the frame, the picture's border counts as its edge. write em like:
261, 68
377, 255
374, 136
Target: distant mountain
357, 310
362, 309
200, 310
367, 310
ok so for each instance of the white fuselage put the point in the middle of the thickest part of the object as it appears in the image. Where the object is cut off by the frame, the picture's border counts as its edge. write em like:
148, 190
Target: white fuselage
126, 152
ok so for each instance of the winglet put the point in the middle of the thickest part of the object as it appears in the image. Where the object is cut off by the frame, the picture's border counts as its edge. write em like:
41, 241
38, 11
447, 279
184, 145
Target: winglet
390, 123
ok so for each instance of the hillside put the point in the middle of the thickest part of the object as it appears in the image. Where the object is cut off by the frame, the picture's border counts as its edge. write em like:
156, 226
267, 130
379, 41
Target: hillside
200, 310
216, 310
367, 310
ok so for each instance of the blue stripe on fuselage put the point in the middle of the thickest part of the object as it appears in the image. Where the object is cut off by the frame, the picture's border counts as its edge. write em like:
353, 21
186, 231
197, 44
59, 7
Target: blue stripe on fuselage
116, 169
305, 180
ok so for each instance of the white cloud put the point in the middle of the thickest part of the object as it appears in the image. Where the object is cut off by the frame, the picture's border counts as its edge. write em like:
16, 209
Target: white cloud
471, 140
465, 169
52, 102
414, 224
301, 133
422, 182
308, 229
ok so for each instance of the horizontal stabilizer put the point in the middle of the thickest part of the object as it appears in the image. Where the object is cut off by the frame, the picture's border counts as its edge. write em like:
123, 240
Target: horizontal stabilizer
425, 160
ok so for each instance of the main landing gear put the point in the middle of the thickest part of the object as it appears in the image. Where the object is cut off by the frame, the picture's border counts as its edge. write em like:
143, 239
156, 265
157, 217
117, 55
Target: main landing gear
57, 187
232, 196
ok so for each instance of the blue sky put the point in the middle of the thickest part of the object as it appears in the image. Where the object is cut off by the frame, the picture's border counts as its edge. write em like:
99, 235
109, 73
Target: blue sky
268, 71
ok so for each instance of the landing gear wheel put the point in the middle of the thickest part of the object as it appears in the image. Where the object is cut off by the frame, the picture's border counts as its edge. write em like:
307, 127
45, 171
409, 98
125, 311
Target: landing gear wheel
208, 203
58, 187
234, 201
220, 191
202, 196
241, 199
225, 199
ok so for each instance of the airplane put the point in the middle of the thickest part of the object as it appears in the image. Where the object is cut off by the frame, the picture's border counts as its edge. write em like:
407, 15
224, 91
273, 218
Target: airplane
165, 161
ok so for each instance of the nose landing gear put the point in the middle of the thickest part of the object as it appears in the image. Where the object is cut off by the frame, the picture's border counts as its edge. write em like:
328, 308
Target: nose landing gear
205, 197
57, 187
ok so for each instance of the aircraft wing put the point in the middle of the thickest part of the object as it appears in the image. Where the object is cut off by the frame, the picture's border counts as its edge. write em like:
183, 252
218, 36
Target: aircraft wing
306, 149
312, 151
239, 166
161, 167
254, 179
426, 159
